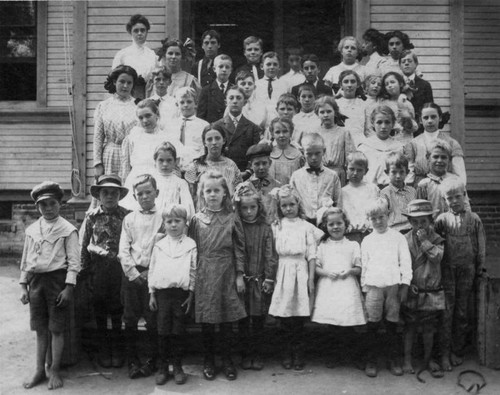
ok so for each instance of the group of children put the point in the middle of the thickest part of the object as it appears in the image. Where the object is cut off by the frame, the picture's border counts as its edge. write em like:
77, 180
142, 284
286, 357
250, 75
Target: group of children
267, 210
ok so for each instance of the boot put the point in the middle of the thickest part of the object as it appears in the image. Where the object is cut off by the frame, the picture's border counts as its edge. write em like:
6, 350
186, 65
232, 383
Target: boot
298, 357
104, 358
179, 376
162, 375
286, 361
117, 348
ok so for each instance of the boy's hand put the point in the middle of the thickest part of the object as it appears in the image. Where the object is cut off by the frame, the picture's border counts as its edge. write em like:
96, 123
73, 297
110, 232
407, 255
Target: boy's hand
403, 293
422, 235
65, 297
267, 287
240, 283
333, 275
188, 302
344, 274
25, 297
153, 306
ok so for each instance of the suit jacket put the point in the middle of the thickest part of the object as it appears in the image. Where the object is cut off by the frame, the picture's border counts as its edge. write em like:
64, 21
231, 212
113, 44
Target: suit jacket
421, 95
204, 75
239, 140
321, 89
211, 104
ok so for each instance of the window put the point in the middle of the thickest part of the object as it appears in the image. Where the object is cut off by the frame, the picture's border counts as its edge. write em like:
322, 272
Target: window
18, 51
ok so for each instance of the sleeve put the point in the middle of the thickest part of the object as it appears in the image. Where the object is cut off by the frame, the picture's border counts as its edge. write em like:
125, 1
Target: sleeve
202, 110
458, 167
186, 199
439, 226
421, 190
433, 251
152, 269
349, 146
356, 254
85, 254
239, 245
126, 151
404, 257
256, 133
72, 247
117, 61
23, 279
409, 153
99, 135
319, 255
337, 192
124, 255
428, 95
192, 269
190, 174
270, 256
364, 260
237, 175
311, 245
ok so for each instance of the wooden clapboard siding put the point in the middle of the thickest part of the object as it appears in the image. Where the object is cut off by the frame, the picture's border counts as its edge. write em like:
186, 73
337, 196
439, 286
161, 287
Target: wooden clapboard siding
427, 22
33, 152
106, 35
482, 87
483, 153
60, 15
482, 50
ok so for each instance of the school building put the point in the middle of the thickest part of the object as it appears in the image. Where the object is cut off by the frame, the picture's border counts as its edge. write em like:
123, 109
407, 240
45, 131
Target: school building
55, 55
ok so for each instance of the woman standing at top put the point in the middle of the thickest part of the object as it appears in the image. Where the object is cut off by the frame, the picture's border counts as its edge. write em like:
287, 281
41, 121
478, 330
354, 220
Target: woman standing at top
373, 48
397, 42
171, 55
113, 120
138, 55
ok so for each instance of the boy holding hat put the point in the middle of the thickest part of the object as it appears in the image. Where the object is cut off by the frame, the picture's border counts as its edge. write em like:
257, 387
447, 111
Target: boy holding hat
259, 159
425, 298
100, 243
49, 267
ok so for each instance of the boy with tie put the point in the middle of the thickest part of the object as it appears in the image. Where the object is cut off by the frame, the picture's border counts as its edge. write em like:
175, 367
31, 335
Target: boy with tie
203, 69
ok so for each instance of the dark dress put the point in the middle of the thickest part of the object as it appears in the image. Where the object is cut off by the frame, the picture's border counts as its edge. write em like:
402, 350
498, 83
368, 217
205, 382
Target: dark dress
221, 253
262, 261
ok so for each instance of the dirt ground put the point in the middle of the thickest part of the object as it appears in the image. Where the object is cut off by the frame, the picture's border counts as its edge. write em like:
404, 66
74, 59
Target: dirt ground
17, 356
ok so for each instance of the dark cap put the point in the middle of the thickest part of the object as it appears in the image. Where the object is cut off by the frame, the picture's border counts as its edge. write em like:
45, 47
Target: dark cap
108, 181
261, 149
419, 208
47, 190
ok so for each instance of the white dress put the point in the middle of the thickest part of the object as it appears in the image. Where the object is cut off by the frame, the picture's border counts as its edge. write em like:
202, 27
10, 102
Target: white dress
296, 246
137, 158
354, 109
173, 190
338, 302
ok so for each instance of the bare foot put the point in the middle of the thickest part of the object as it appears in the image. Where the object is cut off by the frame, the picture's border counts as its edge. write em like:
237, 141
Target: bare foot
445, 363
408, 367
456, 360
435, 370
37, 378
55, 381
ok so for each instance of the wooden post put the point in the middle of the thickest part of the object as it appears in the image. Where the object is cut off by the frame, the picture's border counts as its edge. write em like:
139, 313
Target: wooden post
278, 32
457, 79
41, 54
361, 15
173, 19
80, 92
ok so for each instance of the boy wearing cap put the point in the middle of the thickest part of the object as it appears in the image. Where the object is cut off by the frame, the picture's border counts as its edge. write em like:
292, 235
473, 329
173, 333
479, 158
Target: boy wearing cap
100, 262
136, 246
426, 295
49, 267
259, 159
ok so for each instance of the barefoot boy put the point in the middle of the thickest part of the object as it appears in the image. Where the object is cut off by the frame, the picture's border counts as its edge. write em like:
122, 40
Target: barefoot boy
49, 266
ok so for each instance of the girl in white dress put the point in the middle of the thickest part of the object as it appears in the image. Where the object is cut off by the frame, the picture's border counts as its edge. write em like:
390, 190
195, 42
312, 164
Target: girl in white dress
171, 188
294, 287
338, 295
138, 148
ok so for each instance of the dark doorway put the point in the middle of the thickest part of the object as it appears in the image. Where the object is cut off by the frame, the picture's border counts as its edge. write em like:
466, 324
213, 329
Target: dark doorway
317, 25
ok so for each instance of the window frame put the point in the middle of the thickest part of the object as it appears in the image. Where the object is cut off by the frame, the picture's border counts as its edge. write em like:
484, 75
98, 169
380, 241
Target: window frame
41, 67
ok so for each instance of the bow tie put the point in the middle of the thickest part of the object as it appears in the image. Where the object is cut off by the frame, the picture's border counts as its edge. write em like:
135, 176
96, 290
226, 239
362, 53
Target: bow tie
316, 171
259, 183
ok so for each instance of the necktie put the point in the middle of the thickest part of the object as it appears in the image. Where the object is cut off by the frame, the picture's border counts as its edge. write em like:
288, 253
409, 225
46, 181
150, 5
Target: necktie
222, 88
183, 130
235, 121
269, 87
209, 64
255, 72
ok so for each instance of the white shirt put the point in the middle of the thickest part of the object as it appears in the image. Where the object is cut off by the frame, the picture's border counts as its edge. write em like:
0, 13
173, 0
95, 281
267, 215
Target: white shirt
293, 78
279, 87
137, 240
333, 74
385, 259
141, 58
193, 144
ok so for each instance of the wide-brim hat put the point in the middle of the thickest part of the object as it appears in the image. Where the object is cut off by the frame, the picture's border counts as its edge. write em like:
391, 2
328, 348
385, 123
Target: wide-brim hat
108, 181
419, 208
47, 190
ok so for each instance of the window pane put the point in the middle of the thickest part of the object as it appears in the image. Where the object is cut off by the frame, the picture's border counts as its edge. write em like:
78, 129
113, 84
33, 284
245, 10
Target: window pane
18, 50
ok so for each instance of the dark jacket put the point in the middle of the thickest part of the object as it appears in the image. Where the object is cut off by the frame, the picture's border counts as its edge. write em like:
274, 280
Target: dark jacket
212, 104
